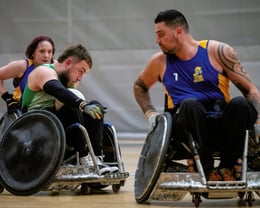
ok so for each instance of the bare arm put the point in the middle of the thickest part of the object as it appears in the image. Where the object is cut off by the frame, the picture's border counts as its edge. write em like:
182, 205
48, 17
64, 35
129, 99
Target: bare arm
146, 79
14, 69
238, 74
142, 95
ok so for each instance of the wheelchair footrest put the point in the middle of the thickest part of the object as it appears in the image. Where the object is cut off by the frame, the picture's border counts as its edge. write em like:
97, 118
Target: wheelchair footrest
192, 182
82, 173
180, 181
174, 186
226, 185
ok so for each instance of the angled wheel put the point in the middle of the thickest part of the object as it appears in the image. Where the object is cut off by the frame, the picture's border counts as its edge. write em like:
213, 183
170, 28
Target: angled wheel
109, 149
5, 121
1, 188
116, 188
152, 158
31, 152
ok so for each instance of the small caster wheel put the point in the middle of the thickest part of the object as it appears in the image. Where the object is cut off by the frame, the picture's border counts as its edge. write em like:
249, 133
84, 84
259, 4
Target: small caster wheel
241, 195
196, 200
85, 189
116, 188
250, 198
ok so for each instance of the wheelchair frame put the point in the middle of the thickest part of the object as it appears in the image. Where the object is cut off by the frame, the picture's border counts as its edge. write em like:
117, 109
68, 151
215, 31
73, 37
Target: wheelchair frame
174, 185
71, 175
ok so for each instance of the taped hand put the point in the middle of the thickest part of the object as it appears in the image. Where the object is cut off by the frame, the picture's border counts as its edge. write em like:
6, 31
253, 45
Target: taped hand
96, 111
151, 116
12, 104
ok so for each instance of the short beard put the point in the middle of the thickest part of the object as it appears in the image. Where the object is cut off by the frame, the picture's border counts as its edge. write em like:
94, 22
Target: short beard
64, 80
167, 52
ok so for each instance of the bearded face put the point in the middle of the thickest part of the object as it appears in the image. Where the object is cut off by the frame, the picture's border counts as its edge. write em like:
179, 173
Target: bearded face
64, 79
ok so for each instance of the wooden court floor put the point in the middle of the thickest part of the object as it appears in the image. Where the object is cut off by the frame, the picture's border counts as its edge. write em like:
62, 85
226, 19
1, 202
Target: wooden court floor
106, 198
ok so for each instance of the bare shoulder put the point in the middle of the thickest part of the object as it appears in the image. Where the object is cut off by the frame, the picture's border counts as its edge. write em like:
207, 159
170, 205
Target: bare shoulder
43, 72
221, 54
158, 59
39, 76
154, 70
217, 48
43, 69
156, 64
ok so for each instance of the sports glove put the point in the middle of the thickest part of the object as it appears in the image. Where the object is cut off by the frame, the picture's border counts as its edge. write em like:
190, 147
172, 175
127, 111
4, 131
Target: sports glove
12, 104
151, 116
96, 111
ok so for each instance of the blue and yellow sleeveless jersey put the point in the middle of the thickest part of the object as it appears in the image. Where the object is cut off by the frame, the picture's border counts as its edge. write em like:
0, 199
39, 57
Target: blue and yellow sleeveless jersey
19, 83
194, 78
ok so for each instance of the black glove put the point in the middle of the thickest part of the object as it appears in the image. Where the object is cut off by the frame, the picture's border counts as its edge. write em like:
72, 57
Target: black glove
96, 111
12, 104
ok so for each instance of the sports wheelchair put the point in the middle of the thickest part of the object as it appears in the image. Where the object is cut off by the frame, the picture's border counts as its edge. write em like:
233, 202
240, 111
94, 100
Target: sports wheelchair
32, 158
161, 177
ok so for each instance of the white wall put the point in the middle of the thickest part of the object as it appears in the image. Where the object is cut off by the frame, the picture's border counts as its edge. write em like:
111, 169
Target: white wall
120, 37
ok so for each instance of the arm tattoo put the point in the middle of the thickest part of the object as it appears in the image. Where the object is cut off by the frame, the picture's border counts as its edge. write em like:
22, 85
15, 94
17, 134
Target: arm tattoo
255, 103
231, 62
142, 95
141, 84
243, 90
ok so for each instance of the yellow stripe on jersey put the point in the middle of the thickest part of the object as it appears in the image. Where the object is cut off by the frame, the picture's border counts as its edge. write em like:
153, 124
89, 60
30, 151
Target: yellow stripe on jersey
224, 87
203, 43
17, 93
168, 100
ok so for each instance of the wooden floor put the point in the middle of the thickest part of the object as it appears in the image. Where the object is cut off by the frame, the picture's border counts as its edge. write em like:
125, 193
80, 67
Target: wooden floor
106, 198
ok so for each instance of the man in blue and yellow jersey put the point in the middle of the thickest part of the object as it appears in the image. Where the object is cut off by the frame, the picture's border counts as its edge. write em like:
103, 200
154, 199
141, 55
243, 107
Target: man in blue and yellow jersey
195, 75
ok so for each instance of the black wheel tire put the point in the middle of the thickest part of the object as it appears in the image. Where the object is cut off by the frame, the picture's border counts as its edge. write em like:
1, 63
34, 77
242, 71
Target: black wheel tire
31, 152
152, 158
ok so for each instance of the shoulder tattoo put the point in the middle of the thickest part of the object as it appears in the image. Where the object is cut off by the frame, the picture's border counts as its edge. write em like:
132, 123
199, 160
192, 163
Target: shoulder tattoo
230, 61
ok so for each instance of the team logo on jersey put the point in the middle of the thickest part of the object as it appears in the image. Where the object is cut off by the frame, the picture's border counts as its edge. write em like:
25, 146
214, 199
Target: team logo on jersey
198, 77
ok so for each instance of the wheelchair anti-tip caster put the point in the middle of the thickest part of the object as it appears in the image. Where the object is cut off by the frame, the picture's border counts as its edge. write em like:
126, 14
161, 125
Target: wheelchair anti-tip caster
196, 199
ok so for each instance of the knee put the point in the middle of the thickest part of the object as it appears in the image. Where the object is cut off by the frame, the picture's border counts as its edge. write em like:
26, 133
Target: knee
239, 102
240, 106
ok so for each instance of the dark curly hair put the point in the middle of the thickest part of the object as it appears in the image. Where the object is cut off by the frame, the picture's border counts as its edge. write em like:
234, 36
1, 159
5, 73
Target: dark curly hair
34, 43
